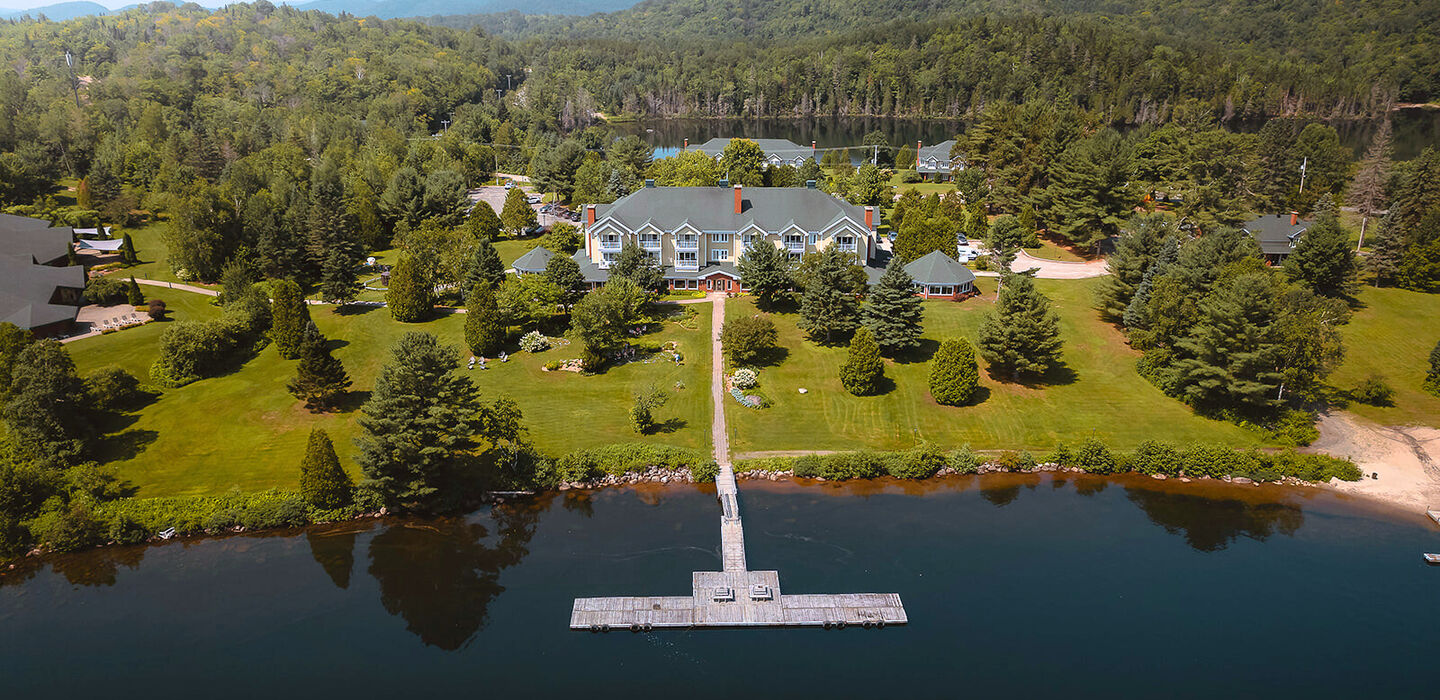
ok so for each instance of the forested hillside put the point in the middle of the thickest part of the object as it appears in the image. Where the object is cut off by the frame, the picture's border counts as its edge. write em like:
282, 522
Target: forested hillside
1301, 55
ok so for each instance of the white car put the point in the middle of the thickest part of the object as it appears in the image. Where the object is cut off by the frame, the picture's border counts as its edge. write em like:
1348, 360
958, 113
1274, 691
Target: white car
534, 199
966, 253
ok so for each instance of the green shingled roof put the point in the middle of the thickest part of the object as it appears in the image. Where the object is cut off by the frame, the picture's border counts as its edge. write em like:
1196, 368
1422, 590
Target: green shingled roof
939, 268
534, 261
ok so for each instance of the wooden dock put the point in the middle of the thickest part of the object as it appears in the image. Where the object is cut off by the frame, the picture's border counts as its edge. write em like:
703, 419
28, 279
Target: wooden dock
735, 596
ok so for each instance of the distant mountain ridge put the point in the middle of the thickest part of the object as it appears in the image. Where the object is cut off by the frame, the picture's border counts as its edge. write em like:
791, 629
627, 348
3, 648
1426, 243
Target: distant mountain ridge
60, 12
384, 9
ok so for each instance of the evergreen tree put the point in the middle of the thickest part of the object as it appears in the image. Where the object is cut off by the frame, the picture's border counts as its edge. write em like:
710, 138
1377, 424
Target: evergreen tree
1136, 250
338, 282
954, 374
288, 317
1022, 334
1088, 198
563, 272
485, 266
411, 296
919, 235
133, 295
323, 484
127, 251
484, 327
1420, 267
46, 409
893, 312
828, 309
417, 427
320, 377
1323, 259
863, 369
1387, 251
765, 271
483, 223
517, 215
636, 265
1432, 377
1230, 358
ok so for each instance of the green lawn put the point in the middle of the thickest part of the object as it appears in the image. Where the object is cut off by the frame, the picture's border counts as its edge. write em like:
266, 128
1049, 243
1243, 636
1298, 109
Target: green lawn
150, 247
1105, 397
133, 349
925, 188
1053, 251
1392, 335
243, 431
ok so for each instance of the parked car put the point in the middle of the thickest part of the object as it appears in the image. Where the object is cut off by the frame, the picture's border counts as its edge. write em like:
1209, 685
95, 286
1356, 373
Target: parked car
533, 230
574, 216
509, 184
966, 253
546, 209
534, 199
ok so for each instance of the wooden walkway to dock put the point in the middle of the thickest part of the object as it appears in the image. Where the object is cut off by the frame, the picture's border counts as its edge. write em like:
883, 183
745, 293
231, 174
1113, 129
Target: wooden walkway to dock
735, 596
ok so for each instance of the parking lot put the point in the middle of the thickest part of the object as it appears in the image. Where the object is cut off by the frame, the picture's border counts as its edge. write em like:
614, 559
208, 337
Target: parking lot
495, 197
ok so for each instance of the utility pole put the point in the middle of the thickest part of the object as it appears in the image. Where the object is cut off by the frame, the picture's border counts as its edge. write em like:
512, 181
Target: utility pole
1303, 165
74, 84
507, 82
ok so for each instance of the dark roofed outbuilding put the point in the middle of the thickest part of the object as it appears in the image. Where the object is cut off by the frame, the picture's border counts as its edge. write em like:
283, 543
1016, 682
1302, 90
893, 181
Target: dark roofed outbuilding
1276, 234
939, 276
533, 262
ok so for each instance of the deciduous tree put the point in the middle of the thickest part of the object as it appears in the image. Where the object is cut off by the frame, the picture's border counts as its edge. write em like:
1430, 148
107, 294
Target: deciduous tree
746, 339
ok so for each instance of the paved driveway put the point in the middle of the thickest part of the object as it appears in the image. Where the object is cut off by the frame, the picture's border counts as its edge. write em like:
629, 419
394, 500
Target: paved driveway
495, 197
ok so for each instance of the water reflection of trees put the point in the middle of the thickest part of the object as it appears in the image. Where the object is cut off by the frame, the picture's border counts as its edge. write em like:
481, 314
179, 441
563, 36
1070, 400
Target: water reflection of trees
441, 575
1210, 524
334, 552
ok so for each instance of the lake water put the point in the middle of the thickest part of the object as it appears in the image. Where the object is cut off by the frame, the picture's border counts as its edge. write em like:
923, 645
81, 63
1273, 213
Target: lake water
1414, 130
1016, 586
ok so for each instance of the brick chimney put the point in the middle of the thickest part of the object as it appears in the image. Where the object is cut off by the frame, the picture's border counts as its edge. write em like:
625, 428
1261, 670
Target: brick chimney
590, 214
687, 144
918, 146
1294, 218
737, 199
870, 218
812, 145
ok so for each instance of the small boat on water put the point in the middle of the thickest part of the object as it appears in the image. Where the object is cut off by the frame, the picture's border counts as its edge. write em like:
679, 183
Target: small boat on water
1431, 558
1434, 514
169, 532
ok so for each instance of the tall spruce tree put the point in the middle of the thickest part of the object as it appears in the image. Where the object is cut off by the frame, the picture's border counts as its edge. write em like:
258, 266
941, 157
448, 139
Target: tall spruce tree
418, 427
563, 272
1323, 259
1420, 266
1022, 335
1230, 359
863, 369
893, 312
954, 374
338, 282
320, 378
323, 484
765, 270
1135, 251
288, 317
1367, 193
828, 310
485, 266
484, 327
411, 296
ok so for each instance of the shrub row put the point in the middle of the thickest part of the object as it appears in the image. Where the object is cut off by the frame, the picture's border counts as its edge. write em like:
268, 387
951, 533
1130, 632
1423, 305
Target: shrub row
584, 465
137, 519
1150, 457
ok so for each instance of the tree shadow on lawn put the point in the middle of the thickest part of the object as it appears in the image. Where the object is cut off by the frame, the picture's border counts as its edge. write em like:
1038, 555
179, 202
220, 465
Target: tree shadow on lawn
670, 426
349, 402
354, 309
1058, 375
125, 444
770, 357
922, 353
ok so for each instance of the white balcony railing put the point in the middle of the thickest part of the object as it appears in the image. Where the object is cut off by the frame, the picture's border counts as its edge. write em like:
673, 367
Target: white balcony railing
847, 247
610, 244
650, 242
688, 243
795, 245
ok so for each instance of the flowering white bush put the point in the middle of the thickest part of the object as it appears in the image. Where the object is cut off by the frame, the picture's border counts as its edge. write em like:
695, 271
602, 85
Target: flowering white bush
534, 341
744, 378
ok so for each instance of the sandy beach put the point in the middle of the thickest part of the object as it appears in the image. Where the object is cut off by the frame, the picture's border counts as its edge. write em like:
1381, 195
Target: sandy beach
1402, 458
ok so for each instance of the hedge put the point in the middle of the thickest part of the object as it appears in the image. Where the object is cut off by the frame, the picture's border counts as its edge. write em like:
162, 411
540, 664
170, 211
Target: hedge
620, 458
1150, 457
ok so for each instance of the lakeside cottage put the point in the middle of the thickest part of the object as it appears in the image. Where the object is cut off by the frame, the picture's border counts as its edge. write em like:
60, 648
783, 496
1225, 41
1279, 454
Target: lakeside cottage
777, 151
1276, 235
38, 290
935, 162
697, 234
